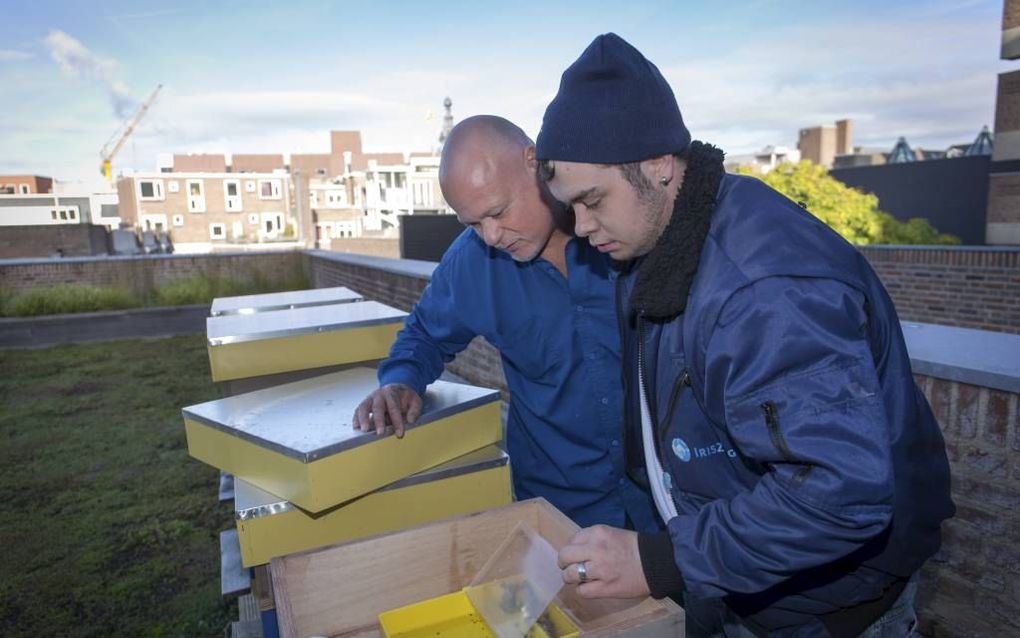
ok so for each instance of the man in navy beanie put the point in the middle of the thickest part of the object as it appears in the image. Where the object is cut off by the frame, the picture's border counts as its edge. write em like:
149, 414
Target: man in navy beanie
770, 404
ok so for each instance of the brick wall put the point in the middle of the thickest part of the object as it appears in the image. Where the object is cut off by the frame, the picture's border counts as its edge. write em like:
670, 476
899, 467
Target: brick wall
972, 586
75, 240
367, 246
142, 274
970, 287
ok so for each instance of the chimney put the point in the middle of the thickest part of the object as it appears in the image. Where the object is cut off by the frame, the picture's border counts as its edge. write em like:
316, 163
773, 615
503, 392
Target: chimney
844, 137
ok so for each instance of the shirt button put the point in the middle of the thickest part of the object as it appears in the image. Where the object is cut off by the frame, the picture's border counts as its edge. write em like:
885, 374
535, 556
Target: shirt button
605, 400
616, 443
580, 308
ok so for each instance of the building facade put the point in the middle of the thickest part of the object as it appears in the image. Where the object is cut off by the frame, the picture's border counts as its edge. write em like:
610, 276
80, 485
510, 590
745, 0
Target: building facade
821, 144
25, 185
204, 210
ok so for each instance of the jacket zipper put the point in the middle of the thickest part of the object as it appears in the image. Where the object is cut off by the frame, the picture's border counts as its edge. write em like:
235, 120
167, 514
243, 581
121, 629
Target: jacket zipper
683, 380
772, 423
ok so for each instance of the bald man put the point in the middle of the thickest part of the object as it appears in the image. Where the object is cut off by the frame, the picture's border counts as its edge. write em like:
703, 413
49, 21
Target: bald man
546, 300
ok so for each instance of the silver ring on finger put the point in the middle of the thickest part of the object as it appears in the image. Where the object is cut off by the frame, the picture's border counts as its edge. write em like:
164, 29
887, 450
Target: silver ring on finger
582, 572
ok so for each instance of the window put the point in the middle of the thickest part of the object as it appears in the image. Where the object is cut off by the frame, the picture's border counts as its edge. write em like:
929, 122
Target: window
272, 224
178, 220
72, 214
150, 189
237, 230
196, 196
336, 199
422, 192
63, 214
232, 195
7, 189
218, 231
249, 186
53, 214
320, 171
173, 186
314, 199
24, 189
269, 189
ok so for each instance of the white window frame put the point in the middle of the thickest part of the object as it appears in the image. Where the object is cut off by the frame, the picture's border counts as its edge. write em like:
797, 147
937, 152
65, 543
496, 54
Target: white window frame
196, 203
237, 229
422, 194
222, 234
178, 220
149, 222
278, 226
275, 188
336, 198
157, 190
232, 203
173, 186
23, 188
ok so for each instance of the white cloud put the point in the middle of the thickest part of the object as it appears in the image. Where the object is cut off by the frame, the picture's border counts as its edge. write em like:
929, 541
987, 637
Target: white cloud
75, 60
882, 76
10, 55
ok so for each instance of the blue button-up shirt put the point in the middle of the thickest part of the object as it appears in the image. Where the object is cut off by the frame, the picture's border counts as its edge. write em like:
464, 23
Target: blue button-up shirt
560, 345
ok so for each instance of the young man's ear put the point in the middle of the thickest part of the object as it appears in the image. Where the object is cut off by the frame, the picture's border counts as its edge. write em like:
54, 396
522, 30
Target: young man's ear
657, 168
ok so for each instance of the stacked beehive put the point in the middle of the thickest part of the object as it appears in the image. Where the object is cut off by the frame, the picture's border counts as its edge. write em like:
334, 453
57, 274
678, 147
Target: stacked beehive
292, 368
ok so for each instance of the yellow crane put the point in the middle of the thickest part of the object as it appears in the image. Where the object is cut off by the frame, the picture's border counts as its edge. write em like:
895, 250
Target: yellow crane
119, 137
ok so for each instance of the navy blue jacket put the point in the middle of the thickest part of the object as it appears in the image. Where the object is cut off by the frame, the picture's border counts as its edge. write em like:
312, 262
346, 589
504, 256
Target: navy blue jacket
806, 467
560, 348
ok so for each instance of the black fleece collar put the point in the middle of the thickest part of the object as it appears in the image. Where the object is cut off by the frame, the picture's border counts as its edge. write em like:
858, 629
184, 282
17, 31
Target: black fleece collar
665, 275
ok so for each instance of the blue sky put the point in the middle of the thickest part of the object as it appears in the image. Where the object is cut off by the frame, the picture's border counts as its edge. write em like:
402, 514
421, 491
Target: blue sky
257, 76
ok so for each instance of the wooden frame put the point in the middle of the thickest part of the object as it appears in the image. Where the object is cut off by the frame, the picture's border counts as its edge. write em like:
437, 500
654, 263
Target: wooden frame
339, 591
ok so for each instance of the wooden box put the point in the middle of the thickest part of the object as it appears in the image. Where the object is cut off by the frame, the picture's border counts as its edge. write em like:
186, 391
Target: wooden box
340, 590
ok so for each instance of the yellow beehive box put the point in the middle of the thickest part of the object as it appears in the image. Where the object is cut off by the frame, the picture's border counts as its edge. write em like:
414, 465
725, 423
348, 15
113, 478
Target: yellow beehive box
341, 590
269, 526
297, 440
251, 304
253, 345
453, 616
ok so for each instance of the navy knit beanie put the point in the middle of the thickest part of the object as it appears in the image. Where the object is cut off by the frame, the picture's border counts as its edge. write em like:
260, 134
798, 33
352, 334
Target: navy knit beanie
613, 107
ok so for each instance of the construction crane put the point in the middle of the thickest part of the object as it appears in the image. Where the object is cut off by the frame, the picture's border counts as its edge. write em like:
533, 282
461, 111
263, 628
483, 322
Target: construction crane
119, 137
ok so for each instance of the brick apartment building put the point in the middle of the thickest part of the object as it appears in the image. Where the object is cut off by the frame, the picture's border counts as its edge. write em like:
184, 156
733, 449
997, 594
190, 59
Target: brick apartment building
25, 185
201, 210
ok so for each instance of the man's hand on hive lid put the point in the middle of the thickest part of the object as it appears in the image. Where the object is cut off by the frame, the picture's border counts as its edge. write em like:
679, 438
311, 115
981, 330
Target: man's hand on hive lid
395, 404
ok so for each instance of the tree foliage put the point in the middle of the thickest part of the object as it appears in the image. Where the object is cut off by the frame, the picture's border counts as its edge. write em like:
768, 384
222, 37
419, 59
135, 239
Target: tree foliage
851, 213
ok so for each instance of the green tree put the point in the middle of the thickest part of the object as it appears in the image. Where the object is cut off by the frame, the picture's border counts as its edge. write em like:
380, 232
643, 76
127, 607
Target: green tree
851, 213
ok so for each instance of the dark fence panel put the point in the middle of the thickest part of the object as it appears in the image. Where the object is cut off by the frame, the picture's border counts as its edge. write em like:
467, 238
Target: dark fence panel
952, 194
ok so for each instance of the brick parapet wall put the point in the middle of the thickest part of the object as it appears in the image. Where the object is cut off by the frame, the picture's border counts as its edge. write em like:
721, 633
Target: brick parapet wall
972, 586
972, 287
142, 274
367, 246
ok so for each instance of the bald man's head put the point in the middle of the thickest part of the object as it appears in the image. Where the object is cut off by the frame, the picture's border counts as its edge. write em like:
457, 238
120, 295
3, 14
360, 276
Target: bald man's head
479, 151
488, 175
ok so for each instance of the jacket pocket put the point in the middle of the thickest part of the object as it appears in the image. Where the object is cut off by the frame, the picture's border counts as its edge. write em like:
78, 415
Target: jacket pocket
771, 413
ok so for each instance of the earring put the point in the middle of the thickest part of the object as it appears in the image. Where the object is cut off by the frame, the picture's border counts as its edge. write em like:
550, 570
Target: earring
663, 180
